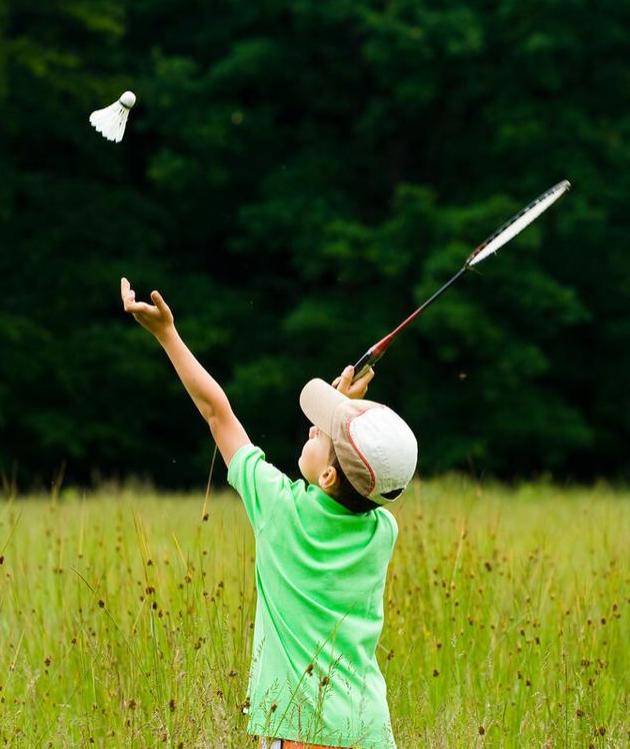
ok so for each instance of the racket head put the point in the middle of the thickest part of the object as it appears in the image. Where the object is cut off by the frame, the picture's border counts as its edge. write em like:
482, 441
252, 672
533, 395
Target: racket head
517, 223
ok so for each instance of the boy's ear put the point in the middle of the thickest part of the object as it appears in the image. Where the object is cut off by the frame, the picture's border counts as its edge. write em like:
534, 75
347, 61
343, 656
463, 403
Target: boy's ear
328, 479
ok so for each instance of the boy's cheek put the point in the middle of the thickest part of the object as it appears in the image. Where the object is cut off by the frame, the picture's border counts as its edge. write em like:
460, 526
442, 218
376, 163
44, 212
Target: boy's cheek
305, 461
305, 456
303, 467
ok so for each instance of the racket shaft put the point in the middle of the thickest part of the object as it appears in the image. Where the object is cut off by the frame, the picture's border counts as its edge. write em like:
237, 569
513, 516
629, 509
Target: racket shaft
423, 306
373, 354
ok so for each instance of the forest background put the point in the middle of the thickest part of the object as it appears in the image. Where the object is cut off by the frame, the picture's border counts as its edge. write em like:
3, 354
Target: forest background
297, 177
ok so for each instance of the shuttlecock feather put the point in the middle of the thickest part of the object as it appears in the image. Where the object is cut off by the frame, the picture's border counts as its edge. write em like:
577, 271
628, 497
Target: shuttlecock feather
111, 121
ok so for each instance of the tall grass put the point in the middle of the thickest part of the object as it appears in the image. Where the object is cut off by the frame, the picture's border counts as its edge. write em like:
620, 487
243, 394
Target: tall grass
126, 618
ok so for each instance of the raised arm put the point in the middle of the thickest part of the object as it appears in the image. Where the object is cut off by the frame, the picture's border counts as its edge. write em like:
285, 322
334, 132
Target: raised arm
205, 391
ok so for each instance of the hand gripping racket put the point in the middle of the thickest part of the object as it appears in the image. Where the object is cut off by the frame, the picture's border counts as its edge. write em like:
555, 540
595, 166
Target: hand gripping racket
501, 236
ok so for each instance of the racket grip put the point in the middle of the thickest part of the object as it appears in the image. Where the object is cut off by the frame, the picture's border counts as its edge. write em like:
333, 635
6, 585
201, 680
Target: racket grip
364, 363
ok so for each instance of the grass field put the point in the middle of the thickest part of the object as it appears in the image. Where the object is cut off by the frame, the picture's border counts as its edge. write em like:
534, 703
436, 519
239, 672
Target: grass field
126, 618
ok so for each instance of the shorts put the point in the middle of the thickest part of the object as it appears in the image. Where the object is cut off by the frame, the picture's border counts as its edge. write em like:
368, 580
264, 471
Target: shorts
288, 744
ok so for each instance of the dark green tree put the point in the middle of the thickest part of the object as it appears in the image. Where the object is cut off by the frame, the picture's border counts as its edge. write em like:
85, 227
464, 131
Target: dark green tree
296, 178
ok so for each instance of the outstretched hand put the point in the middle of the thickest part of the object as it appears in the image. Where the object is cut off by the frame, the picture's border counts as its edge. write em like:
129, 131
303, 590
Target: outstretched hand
157, 318
353, 390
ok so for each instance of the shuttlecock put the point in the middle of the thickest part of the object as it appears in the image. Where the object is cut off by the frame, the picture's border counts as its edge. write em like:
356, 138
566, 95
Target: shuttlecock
111, 121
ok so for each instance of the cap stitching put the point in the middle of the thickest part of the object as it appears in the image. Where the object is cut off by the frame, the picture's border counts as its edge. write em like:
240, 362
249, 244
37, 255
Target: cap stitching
361, 455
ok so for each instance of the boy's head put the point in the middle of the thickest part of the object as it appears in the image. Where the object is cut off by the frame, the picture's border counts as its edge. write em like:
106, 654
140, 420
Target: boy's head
358, 451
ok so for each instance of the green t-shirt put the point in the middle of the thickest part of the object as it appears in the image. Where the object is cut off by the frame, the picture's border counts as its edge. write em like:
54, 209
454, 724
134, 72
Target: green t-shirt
320, 577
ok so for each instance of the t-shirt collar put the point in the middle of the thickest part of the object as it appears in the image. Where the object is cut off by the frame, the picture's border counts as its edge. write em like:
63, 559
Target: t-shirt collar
329, 502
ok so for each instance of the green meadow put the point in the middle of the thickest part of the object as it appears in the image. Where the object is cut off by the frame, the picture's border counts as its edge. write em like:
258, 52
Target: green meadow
126, 618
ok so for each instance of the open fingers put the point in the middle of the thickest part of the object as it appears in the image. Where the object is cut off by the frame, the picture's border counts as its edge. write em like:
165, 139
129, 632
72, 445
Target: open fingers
127, 294
129, 299
138, 307
158, 300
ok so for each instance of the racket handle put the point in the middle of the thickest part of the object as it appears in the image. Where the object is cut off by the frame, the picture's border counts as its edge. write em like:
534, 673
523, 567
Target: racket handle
365, 362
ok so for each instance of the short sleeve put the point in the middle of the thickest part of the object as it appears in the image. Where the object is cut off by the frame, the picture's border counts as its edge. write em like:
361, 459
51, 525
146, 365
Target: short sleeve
393, 526
262, 487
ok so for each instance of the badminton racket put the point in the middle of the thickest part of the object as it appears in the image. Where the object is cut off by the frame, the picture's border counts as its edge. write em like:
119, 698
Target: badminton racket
501, 236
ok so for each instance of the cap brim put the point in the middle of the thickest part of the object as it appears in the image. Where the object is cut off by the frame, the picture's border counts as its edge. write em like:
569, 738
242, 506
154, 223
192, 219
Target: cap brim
319, 400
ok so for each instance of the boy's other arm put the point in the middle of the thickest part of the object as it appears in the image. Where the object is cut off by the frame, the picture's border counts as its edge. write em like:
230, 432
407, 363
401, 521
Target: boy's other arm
204, 390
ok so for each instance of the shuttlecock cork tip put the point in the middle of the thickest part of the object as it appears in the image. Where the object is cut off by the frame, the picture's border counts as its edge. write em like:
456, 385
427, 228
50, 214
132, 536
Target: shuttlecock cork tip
128, 99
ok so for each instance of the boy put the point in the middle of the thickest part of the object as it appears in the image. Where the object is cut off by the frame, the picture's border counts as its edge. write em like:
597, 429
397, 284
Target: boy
322, 551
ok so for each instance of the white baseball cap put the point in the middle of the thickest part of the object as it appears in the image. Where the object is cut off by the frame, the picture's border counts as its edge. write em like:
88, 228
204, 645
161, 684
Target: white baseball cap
376, 449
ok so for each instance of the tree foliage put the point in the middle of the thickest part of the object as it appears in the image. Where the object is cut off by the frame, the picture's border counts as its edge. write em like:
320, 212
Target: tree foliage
296, 178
